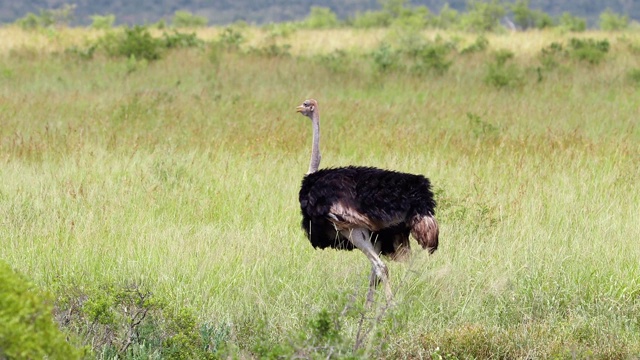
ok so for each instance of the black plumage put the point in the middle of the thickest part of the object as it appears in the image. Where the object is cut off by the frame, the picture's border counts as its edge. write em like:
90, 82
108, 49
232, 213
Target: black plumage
388, 200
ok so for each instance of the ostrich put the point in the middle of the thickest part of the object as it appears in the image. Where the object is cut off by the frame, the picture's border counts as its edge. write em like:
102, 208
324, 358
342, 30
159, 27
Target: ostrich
370, 209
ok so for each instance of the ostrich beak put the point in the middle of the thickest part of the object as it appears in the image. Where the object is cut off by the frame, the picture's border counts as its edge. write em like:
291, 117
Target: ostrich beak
300, 108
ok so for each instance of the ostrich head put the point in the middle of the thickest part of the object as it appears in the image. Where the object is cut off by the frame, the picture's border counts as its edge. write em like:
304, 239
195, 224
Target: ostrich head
308, 108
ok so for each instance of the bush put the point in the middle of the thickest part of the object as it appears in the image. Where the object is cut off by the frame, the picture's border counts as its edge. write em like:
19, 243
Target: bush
549, 55
589, 50
181, 40
634, 76
522, 14
129, 322
385, 58
610, 21
48, 17
543, 20
281, 30
447, 18
27, 329
370, 19
526, 18
393, 11
483, 16
416, 18
500, 74
272, 50
320, 18
231, 38
432, 57
102, 22
479, 45
322, 337
337, 61
572, 23
137, 42
187, 19
32, 21
134, 42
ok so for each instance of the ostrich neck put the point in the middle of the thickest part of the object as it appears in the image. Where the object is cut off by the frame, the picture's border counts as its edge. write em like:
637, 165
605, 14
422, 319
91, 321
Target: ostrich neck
315, 146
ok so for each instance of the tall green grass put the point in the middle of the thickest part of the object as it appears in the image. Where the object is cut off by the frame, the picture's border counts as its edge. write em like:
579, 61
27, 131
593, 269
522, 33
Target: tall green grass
181, 177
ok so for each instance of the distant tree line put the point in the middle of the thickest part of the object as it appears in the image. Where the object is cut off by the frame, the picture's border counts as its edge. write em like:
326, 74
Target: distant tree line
469, 15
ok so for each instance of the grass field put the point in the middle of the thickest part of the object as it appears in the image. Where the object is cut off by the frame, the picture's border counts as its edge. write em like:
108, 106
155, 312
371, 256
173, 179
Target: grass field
181, 175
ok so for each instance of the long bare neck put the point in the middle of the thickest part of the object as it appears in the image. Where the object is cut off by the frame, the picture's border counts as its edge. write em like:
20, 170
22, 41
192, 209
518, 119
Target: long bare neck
315, 146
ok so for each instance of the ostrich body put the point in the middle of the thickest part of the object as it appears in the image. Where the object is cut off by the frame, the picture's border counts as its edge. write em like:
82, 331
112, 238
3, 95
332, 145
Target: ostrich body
370, 209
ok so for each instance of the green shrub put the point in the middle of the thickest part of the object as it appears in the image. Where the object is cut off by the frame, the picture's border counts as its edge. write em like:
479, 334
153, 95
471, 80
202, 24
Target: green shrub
527, 18
281, 30
482, 128
448, 18
395, 8
483, 16
84, 53
137, 45
432, 57
385, 58
634, 76
137, 42
469, 341
589, 50
549, 55
502, 56
160, 24
231, 37
416, 18
502, 74
480, 45
102, 22
337, 61
272, 50
522, 15
187, 19
322, 337
181, 40
543, 20
572, 23
32, 21
27, 329
48, 17
320, 18
610, 21
129, 322
370, 19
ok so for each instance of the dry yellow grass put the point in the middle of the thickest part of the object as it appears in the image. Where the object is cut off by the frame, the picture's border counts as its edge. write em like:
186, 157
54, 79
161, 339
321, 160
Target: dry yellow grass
306, 42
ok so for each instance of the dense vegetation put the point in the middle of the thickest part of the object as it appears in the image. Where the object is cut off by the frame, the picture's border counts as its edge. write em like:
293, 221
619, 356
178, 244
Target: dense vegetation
149, 183
263, 12
27, 329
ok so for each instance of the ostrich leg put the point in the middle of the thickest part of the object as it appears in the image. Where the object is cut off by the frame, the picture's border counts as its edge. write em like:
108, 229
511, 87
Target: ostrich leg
359, 237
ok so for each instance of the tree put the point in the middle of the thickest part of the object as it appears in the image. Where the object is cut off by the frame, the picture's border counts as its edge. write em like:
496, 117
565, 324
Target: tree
447, 18
526, 18
572, 23
610, 21
483, 16
321, 17
187, 19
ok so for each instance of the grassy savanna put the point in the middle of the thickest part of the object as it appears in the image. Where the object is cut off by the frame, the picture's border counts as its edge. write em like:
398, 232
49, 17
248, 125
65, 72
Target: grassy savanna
180, 176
